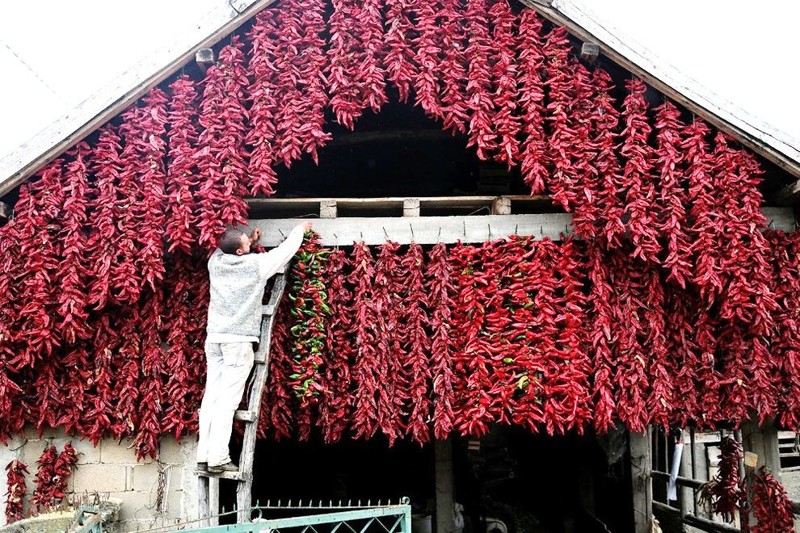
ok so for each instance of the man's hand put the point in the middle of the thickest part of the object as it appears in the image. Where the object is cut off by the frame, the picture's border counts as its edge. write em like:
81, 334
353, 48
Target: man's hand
306, 225
255, 235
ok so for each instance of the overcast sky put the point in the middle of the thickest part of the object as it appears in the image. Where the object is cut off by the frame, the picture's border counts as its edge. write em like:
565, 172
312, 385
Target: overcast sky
54, 54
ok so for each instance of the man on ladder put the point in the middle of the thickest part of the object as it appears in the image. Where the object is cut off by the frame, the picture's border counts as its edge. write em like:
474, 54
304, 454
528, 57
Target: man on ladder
238, 280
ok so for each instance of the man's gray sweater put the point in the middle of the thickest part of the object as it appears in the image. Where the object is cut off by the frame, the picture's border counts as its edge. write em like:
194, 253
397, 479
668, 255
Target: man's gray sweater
238, 283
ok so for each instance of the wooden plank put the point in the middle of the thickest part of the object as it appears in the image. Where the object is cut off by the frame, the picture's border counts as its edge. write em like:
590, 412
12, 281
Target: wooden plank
753, 134
702, 524
445, 482
641, 484
680, 480
411, 207
122, 91
424, 230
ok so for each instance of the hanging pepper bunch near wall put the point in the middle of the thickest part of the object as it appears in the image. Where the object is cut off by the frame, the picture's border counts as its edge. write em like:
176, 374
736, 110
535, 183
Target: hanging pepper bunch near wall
336, 407
429, 46
43, 497
301, 97
181, 183
308, 295
366, 371
725, 493
388, 298
504, 80
683, 354
771, 505
401, 67
15, 493
415, 343
221, 152
452, 34
440, 286
62, 470
276, 403
531, 100
481, 134
601, 322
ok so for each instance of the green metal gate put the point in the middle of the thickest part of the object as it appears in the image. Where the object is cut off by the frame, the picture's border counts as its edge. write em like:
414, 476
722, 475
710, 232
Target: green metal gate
321, 518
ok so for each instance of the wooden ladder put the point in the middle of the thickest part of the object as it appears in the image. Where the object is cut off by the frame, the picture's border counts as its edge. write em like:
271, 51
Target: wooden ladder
208, 482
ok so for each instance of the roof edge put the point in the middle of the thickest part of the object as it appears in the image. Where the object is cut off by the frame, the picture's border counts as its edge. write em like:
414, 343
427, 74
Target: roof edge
670, 82
112, 99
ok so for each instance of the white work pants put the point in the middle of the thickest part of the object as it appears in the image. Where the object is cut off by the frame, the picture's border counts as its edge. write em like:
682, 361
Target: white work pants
228, 366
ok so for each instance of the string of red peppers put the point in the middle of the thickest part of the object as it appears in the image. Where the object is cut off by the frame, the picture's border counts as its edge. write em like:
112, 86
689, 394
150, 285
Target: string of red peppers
724, 492
771, 505
15, 493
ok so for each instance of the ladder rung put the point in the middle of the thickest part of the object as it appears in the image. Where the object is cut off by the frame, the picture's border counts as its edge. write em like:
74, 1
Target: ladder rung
261, 357
244, 415
268, 310
235, 476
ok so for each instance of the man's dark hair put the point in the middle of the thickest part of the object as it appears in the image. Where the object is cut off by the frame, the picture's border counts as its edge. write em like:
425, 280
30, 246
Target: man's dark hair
231, 241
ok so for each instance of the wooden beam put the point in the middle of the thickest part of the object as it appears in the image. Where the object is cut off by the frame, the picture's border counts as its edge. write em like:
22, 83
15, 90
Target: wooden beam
422, 230
788, 195
702, 524
445, 482
641, 481
656, 75
121, 92
590, 52
360, 137
204, 58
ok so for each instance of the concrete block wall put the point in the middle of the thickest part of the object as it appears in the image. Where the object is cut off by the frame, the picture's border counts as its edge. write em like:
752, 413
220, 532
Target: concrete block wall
153, 493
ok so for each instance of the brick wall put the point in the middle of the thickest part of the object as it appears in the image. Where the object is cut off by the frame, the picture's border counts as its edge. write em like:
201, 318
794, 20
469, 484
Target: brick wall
152, 492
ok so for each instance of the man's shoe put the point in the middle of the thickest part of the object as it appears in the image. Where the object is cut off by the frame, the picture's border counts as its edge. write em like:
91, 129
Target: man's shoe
230, 466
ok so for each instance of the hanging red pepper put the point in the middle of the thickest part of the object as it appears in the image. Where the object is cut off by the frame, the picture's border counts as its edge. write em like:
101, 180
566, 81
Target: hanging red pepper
724, 492
482, 109
429, 47
601, 321
453, 66
439, 285
180, 182
416, 344
533, 150
42, 498
401, 66
505, 77
336, 408
771, 505
15, 494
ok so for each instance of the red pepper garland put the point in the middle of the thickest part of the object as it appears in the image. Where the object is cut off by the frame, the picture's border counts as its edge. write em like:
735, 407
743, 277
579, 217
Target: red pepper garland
73, 279
300, 94
482, 110
366, 371
308, 334
149, 426
43, 498
640, 192
221, 156
128, 379
563, 141
105, 219
473, 407
336, 407
429, 46
62, 470
394, 381
569, 406
152, 150
608, 208
454, 105
15, 493
439, 285
661, 400
747, 297
505, 75
682, 354
533, 150
702, 191
416, 344
401, 67
673, 196
100, 402
707, 377
601, 321
276, 403
785, 252
39, 275
263, 98
724, 493
180, 183
772, 507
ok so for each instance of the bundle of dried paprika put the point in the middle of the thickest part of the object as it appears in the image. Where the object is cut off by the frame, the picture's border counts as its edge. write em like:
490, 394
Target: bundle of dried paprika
15, 494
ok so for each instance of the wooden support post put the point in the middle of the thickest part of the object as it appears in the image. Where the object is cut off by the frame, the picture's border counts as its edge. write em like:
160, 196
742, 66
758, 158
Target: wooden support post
445, 502
327, 209
590, 52
641, 483
686, 494
501, 206
204, 58
763, 442
208, 501
411, 207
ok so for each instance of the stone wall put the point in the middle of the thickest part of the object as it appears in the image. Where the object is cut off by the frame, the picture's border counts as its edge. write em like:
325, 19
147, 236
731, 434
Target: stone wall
153, 493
